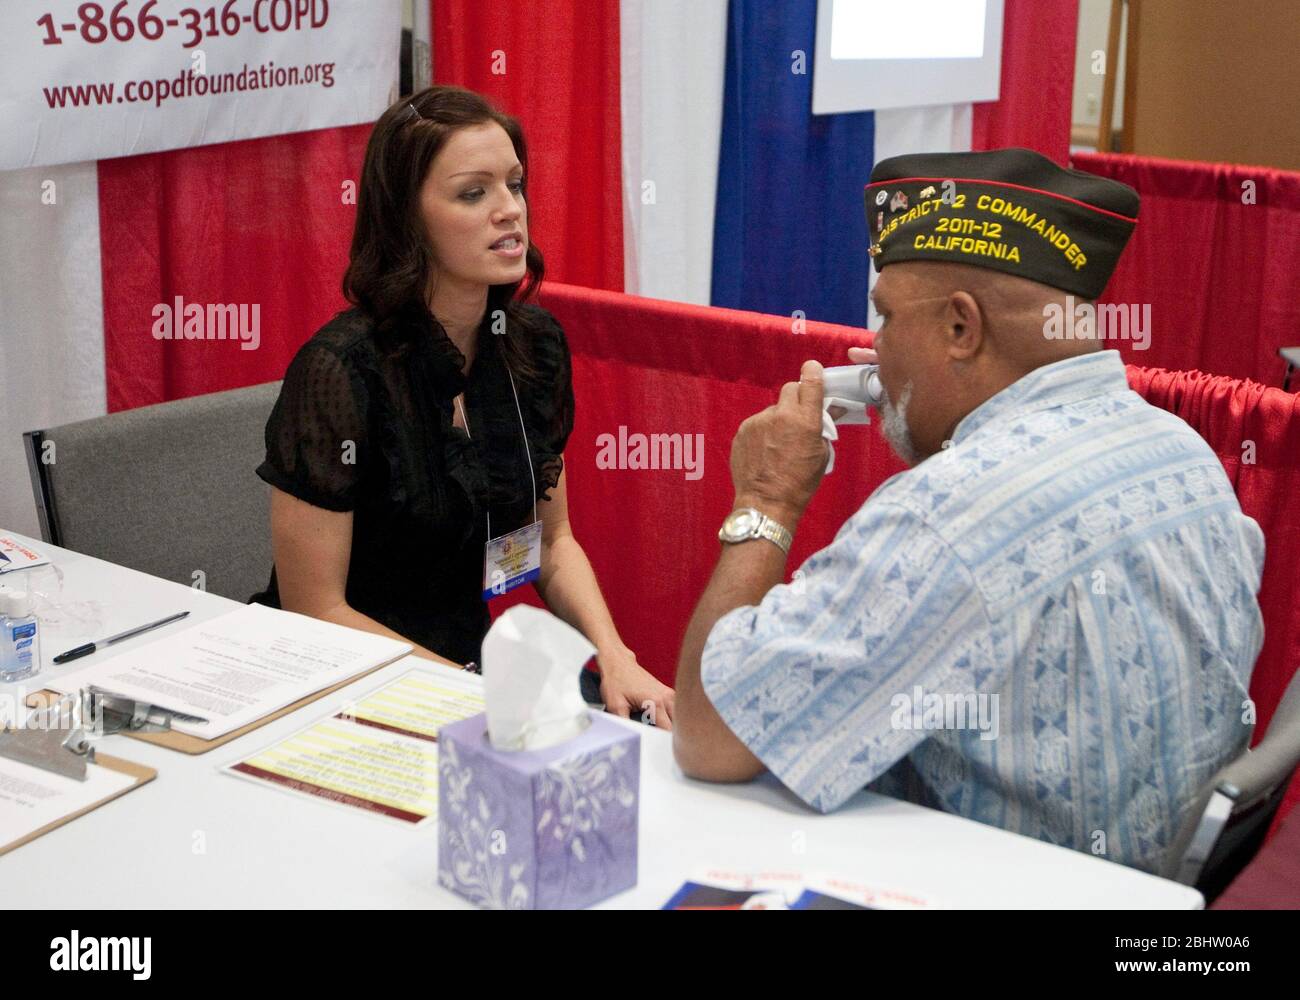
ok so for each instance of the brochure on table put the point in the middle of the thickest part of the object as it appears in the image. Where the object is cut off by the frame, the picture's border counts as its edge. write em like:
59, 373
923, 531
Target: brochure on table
379, 754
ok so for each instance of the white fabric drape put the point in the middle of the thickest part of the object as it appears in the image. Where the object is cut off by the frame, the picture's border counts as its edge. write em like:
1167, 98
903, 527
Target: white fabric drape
673, 62
51, 317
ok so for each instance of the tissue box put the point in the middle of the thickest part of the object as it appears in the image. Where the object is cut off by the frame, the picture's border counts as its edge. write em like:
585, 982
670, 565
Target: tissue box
538, 829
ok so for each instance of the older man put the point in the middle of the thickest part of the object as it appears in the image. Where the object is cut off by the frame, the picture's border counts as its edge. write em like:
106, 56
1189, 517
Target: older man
1049, 622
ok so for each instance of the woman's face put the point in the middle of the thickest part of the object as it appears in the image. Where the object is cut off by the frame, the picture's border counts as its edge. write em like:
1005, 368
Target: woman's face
472, 203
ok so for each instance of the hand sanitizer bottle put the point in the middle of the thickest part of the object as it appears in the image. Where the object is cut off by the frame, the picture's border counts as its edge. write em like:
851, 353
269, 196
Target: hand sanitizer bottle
20, 648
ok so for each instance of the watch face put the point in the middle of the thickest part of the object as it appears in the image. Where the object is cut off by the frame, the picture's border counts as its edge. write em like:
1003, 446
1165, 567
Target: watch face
739, 524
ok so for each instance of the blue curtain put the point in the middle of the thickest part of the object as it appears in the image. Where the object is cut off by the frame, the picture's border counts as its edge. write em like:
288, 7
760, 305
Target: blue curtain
790, 231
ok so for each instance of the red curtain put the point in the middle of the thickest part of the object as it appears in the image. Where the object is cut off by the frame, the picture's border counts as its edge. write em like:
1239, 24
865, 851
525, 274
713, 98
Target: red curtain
1255, 431
1037, 90
657, 367
555, 67
1216, 255
265, 222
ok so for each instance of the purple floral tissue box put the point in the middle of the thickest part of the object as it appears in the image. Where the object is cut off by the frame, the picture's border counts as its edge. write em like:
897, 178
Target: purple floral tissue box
538, 829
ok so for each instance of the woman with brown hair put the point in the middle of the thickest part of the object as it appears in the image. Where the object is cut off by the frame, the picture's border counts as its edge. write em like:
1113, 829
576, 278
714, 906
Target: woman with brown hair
416, 447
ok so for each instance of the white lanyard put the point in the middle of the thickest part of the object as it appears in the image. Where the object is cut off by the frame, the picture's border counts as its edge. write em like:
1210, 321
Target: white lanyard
527, 451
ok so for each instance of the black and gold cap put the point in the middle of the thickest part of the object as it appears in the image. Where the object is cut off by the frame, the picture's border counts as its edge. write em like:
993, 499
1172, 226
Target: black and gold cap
1011, 210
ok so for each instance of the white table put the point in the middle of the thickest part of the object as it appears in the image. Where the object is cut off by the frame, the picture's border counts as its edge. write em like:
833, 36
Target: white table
196, 838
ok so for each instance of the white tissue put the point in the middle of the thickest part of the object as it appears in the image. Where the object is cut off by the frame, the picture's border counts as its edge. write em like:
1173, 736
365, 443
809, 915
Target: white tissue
854, 413
531, 662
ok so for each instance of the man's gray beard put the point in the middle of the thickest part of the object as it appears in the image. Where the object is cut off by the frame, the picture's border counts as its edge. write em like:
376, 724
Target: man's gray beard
894, 425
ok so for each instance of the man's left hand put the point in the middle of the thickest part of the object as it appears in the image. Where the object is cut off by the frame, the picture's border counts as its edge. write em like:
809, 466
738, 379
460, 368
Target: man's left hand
778, 456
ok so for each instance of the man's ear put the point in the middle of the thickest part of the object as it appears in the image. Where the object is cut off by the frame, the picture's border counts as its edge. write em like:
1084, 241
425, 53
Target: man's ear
964, 326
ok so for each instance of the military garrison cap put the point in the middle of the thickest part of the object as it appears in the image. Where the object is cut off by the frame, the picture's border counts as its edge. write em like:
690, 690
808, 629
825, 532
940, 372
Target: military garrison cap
1011, 210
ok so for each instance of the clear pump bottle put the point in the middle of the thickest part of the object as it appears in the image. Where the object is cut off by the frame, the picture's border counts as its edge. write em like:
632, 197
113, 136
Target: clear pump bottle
20, 641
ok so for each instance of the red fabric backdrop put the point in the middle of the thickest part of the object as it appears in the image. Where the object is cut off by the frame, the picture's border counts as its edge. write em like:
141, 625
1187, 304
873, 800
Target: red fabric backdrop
659, 367
1222, 276
1232, 415
262, 221
1037, 89
561, 80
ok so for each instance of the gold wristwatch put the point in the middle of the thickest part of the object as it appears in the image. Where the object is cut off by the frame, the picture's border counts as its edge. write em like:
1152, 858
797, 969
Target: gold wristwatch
745, 523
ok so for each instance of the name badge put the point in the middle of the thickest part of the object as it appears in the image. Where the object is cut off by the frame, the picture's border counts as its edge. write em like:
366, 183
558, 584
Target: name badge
511, 560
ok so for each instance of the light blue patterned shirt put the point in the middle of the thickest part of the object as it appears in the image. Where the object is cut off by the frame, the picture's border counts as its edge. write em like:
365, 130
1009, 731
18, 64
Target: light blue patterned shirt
1049, 626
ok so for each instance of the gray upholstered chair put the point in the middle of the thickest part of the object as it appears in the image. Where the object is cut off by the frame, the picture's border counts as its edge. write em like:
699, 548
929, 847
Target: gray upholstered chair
1232, 814
166, 489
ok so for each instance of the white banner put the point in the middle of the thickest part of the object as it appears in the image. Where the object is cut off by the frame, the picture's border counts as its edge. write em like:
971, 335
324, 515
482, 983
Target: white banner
86, 81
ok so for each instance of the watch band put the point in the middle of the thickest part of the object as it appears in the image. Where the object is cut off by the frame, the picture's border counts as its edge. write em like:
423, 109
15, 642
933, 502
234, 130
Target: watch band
774, 532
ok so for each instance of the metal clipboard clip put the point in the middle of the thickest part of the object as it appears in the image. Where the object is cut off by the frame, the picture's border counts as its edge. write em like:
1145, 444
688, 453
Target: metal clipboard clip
52, 738
58, 737
115, 713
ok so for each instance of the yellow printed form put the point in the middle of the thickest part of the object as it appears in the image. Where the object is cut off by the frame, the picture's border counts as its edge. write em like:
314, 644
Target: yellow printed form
418, 703
379, 754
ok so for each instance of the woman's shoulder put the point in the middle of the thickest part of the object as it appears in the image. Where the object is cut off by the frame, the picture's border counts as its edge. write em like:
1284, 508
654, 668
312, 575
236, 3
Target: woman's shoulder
342, 352
336, 362
349, 337
547, 344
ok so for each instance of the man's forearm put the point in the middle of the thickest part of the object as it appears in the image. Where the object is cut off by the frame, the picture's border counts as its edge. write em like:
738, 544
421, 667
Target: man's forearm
744, 573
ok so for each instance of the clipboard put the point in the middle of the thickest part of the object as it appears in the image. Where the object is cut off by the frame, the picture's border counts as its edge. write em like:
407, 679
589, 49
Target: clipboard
142, 775
195, 745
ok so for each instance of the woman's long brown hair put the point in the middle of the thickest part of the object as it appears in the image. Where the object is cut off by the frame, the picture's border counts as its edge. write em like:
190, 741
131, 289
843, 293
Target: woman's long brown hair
391, 261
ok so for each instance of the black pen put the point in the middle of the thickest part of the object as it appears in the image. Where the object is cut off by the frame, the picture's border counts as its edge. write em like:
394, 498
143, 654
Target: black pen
90, 647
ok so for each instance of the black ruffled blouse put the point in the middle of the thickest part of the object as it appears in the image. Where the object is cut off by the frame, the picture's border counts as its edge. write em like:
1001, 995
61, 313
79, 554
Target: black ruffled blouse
364, 424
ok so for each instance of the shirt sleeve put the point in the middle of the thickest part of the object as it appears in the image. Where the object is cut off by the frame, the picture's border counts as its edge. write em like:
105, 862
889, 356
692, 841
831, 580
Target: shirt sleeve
551, 402
819, 680
315, 437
